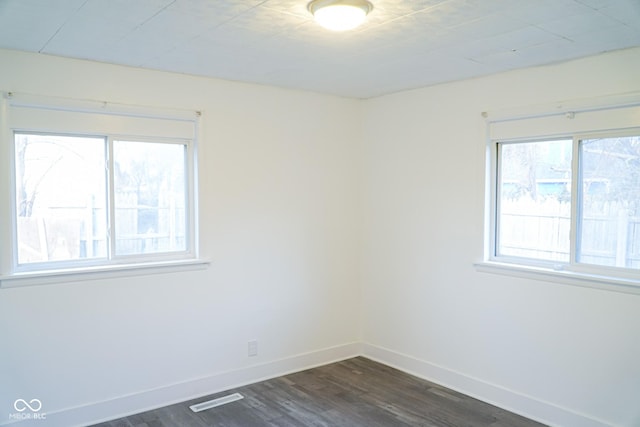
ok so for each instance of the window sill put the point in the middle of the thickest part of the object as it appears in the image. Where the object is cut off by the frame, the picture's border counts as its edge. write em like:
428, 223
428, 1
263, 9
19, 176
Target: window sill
608, 283
35, 278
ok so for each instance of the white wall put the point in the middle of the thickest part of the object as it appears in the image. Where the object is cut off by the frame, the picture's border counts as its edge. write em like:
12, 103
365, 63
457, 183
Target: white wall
280, 214
560, 353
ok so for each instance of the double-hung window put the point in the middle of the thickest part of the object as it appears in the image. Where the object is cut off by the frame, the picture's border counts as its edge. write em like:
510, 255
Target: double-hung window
564, 193
96, 186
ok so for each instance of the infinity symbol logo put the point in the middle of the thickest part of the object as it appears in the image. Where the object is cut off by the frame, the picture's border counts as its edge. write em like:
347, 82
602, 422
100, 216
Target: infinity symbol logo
21, 405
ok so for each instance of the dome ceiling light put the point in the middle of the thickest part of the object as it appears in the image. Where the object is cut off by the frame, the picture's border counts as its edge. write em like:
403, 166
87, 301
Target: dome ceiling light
339, 15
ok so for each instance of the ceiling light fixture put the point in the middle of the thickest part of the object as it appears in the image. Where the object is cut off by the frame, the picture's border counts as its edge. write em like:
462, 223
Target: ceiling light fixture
339, 15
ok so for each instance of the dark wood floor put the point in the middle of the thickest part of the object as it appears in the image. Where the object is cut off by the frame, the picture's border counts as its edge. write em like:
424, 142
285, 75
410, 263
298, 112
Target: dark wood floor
354, 392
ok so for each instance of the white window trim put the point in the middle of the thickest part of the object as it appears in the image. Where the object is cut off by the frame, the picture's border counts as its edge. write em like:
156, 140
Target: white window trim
12, 276
574, 278
571, 273
67, 275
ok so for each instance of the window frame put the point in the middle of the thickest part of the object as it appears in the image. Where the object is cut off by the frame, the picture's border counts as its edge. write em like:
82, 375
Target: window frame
495, 204
190, 250
16, 267
572, 272
14, 274
576, 201
577, 194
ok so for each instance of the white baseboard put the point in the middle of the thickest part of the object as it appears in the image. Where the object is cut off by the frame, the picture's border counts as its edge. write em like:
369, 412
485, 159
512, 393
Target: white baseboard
527, 406
121, 406
174, 393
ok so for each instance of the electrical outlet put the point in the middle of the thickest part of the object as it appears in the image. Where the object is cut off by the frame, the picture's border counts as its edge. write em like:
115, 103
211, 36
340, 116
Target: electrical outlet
252, 348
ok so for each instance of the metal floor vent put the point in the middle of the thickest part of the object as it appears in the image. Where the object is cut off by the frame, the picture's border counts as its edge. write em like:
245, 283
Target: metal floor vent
216, 402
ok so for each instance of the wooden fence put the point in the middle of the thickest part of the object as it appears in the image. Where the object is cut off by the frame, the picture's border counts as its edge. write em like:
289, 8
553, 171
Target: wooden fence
541, 230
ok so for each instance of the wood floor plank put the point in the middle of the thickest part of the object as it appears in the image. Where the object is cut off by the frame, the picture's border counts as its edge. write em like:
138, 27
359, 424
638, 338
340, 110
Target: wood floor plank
353, 393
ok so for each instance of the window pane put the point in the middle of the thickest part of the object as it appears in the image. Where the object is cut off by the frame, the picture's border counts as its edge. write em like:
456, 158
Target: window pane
534, 208
150, 197
60, 198
610, 202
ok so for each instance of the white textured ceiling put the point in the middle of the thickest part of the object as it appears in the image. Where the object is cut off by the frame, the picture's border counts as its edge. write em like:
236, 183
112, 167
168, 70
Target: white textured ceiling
403, 45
